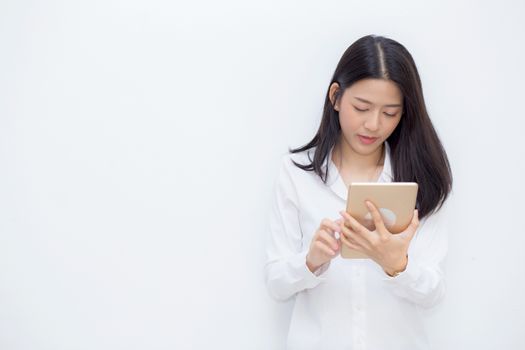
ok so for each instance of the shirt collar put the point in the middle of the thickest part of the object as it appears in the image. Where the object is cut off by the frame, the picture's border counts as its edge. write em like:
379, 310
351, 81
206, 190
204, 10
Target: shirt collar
336, 183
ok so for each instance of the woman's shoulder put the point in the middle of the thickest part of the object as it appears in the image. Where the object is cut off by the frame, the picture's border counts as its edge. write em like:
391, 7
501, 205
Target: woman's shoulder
290, 160
292, 179
438, 217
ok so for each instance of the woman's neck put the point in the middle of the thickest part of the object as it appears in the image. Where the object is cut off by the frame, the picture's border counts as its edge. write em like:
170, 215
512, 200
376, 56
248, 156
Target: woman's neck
357, 167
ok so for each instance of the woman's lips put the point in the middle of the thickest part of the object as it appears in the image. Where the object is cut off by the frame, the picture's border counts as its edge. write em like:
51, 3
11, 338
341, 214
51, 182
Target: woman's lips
367, 140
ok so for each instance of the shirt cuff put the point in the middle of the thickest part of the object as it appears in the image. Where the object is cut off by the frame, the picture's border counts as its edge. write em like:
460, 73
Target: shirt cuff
410, 275
311, 279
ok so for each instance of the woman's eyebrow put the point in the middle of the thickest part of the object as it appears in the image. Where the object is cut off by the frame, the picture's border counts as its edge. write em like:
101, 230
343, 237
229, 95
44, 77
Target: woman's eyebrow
366, 101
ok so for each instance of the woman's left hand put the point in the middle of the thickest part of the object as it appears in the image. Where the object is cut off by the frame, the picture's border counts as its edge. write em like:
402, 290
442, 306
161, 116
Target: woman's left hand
386, 249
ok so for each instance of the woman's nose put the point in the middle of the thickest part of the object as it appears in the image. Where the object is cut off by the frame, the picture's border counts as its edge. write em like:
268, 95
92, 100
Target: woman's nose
372, 123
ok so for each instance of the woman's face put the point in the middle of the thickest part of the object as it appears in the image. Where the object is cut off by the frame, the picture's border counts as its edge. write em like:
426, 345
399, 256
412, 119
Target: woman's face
369, 111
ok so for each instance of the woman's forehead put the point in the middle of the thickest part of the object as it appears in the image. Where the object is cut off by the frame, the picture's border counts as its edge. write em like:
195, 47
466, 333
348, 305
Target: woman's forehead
376, 91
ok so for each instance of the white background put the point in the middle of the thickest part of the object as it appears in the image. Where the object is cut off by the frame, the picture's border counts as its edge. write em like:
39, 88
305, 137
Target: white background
139, 142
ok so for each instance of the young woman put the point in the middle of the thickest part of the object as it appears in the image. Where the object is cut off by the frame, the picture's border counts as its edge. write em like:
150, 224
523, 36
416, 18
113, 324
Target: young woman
374, 128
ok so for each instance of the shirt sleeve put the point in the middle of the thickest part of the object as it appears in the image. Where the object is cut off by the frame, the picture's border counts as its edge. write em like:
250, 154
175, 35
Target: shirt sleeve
423, 280
286, 272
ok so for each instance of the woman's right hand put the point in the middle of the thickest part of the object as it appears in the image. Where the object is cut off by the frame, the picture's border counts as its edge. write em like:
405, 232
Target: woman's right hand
324, 246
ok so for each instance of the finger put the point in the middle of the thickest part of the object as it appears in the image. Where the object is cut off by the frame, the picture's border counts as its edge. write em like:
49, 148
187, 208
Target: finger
351, 244
354, 237
328, 240
323, 248
339, 222
330, 226
350, 239
356, 227
414, 224
378, 220
415, 218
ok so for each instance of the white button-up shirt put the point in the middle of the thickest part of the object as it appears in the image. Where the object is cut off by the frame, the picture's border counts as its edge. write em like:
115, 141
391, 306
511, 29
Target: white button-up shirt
347, 303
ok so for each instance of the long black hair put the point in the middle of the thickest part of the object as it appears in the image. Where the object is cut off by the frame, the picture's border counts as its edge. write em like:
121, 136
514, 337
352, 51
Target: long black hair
416, 152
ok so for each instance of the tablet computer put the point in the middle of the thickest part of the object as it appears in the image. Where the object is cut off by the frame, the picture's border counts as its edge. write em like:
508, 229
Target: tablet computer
395, 201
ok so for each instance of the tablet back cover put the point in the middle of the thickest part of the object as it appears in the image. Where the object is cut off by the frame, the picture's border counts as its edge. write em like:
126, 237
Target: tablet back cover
395, 200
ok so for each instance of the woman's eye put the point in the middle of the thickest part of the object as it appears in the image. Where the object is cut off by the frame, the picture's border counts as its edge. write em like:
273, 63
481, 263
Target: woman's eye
364, 110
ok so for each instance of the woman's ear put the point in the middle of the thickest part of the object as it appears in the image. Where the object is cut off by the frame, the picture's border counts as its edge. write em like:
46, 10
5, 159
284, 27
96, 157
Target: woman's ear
334, 95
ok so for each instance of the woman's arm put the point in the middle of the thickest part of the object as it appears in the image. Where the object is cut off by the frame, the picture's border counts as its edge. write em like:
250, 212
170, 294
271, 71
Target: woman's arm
423, 280
286, 271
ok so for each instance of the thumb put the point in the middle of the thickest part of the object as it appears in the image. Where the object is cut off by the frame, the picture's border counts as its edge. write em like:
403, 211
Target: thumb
339, 223
414, 224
